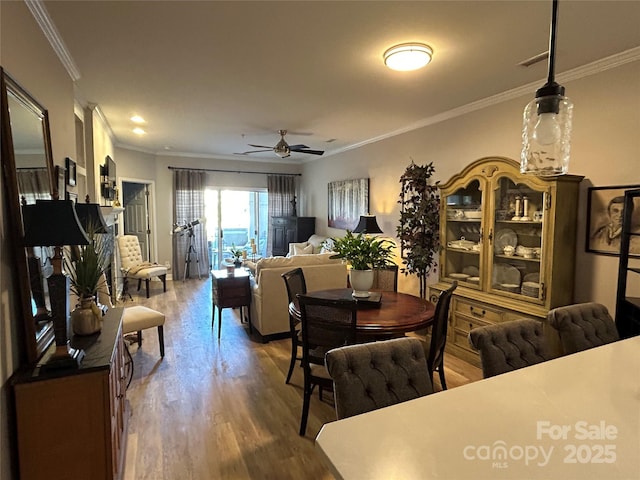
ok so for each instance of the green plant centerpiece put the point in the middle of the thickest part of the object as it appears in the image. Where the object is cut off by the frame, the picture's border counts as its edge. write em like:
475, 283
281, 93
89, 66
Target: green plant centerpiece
86, 269
236, 253
364, 253
419, 228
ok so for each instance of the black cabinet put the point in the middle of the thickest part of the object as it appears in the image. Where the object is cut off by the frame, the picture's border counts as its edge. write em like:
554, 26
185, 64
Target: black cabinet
288, 230
628, 300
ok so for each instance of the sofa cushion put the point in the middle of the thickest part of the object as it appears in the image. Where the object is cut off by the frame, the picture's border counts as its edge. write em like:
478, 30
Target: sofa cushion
293, 262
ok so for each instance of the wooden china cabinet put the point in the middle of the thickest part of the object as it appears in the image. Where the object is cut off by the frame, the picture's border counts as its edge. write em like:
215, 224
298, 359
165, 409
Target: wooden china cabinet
509, 241
73, 423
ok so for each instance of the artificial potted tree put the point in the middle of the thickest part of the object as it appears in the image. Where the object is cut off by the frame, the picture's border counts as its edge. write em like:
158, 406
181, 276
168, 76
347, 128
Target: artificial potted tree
364, 253
419, 227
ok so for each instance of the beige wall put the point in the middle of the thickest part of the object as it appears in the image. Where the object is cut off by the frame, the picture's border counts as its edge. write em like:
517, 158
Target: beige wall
605, 149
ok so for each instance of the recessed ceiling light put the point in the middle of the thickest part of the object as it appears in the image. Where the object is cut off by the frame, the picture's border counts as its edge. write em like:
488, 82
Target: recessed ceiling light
139, 131
408, 56
137, 119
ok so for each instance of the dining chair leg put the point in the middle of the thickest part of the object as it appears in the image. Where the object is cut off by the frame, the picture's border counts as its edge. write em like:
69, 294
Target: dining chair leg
146, 282
219, 321
441, 373
294, 353
305, 408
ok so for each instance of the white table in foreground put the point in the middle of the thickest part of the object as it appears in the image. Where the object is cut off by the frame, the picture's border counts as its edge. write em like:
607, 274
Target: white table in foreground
574, 417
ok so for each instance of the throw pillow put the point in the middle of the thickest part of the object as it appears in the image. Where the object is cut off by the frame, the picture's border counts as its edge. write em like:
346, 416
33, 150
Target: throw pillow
291, 245
300, 250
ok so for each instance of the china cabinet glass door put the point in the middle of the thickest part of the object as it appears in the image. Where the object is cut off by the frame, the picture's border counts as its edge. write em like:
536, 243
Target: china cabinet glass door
516, 235
463, 259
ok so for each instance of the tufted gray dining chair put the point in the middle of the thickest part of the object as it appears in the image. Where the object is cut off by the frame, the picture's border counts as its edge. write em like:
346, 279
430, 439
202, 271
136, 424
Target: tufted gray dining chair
582, 326
374, 375
510, 345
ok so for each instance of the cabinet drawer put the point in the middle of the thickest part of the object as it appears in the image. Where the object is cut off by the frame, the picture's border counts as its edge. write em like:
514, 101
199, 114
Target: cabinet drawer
465, 324
478, 311
278, 221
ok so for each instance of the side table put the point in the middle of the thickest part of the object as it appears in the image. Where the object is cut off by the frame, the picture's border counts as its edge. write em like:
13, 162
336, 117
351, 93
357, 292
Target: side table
230, 291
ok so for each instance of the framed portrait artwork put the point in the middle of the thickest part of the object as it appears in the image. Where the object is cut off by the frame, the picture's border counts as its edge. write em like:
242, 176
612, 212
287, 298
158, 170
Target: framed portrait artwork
348, 199
605, 206
70, 167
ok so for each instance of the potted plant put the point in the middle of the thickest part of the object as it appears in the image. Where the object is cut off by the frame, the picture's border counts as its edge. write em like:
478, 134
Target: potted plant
86, 270
236, 253
364, 253
419, 226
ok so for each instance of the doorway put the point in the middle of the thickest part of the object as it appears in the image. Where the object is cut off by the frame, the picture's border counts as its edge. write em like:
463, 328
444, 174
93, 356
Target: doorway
235, 218
137, 217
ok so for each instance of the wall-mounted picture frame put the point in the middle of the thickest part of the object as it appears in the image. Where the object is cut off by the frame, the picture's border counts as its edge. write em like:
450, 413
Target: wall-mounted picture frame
605, 206
70, 167
60, 174
348, 199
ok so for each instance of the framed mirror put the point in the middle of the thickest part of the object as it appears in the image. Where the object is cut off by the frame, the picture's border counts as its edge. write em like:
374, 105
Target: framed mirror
27, 166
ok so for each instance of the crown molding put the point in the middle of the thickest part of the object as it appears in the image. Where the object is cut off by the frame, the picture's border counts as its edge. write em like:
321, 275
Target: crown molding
40, 13
592, 68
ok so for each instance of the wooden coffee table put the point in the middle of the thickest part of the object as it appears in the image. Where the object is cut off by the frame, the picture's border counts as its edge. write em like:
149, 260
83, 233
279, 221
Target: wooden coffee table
230, 291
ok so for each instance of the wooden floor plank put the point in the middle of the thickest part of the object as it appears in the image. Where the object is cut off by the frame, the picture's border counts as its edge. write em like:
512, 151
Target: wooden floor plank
220, 408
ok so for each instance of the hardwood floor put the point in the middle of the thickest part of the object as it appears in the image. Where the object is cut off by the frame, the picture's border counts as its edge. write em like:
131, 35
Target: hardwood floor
220, 409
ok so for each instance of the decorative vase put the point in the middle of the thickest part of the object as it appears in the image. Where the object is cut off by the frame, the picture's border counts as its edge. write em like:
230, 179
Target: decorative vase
361, 281
86, 318
237, 262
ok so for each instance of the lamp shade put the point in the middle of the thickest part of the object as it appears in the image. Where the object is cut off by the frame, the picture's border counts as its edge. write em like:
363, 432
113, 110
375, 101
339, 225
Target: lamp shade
90, 217
52, 223
367, 224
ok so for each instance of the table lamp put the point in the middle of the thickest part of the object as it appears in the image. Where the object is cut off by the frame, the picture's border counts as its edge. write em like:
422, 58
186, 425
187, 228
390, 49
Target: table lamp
367, 224
54, 223
90, 217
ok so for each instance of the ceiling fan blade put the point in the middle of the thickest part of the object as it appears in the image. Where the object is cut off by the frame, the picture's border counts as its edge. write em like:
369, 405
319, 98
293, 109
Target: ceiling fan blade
297, 147
260, 146
306, 150
254, 151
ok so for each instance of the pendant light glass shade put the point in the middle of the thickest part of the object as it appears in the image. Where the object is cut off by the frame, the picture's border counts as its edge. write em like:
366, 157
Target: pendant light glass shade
546, 134
546, 129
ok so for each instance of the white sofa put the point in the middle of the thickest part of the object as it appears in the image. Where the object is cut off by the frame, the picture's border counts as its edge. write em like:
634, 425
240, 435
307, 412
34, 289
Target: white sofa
269, 302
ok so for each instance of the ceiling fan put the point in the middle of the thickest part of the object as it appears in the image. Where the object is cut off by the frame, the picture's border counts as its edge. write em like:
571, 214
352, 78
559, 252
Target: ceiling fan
283, 149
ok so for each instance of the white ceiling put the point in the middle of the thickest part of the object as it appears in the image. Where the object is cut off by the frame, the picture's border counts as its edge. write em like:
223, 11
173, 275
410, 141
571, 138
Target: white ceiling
211, 77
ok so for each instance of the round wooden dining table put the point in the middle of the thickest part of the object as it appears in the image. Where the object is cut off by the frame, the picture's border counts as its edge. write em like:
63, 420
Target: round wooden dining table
396, 313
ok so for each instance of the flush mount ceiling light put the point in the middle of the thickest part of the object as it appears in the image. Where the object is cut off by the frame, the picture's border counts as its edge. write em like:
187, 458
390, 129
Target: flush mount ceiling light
139, 131
408, 56
137, 119
546, 129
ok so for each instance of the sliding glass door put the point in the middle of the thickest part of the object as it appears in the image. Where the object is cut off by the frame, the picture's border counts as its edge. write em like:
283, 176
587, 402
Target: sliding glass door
234, 219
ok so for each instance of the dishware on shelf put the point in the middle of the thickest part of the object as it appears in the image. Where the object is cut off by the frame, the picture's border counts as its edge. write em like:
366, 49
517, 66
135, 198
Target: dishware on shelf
459, 276
471, 270
509, 250
475, 280
473, 214
505, 237
462, 244
504, 273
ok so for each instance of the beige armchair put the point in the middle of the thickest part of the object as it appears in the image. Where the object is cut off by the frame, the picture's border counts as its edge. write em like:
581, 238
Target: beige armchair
133, 266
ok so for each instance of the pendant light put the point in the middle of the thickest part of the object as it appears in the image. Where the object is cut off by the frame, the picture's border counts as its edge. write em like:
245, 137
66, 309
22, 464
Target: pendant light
546, 129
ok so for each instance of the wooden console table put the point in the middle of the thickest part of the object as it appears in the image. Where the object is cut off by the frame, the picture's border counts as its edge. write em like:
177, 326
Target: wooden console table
230, 291
73, 423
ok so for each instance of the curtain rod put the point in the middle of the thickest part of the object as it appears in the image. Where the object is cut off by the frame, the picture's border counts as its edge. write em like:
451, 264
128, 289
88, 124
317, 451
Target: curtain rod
234, 171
